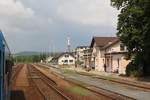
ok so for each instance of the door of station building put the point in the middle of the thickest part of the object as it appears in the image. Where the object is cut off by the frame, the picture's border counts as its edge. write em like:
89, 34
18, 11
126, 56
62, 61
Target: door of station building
108, 64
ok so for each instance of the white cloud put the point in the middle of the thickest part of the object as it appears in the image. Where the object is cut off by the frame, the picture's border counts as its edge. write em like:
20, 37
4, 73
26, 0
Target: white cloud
31, 24
91, 12
13, 14
14, 8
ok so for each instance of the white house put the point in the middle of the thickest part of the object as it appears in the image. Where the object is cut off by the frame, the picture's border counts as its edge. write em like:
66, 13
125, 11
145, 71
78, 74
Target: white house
64, 59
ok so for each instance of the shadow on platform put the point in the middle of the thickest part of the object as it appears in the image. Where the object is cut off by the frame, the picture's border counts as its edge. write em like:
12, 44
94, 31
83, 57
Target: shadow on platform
17, 95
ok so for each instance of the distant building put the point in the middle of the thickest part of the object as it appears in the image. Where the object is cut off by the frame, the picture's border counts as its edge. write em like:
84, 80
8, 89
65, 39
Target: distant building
64, 59
41, 61
80, 53
87, 57
108, 54
48, 60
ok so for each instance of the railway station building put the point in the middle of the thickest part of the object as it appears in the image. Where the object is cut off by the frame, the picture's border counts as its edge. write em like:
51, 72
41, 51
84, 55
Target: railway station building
108, 55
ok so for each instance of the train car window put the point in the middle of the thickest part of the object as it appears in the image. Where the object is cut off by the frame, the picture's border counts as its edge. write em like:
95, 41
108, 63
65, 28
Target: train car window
3, 62
6, 66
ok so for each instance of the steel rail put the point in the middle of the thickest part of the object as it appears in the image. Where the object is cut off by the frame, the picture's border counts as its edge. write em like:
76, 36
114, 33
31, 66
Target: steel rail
101, 93
29, 72
16, 71
42, 77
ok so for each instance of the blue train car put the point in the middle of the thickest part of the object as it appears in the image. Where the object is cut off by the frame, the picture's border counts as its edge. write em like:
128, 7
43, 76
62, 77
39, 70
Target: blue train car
5, 69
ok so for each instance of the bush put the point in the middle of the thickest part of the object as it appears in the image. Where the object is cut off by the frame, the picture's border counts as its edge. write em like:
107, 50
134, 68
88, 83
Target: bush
78, 62
133, 70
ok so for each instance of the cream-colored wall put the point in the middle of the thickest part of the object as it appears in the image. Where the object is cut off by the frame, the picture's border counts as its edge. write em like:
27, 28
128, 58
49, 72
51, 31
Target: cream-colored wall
115, 48
98, 60
122, 62
115, 65
100, 55
93, 55
115, 62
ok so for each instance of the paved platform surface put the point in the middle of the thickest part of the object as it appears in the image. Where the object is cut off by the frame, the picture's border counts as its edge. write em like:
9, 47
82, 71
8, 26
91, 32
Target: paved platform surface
113, 75
130, 91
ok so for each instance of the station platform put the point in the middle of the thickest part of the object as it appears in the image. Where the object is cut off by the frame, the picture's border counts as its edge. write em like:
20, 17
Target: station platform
140, 90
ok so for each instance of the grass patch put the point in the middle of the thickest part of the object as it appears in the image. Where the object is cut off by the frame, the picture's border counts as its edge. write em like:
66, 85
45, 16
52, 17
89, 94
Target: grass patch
78, 90
66, 71
107, 78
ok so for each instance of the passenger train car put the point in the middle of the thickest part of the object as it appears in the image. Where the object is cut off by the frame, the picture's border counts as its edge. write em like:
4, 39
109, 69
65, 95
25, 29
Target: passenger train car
5, 69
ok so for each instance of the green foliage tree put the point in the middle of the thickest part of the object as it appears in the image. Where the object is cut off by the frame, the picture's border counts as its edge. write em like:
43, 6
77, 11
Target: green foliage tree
36, 58
134, 30
28, 59
31, 58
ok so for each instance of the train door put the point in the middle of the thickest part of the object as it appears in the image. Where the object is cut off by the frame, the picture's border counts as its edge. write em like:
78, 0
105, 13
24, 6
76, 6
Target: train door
4, 76
7, 85
108, 64
118, 67
1, 75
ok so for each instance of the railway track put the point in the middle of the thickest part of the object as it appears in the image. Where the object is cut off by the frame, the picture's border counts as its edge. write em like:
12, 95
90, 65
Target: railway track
100, 91
22, 87
45, 86
124, 82
15, 71
107, 93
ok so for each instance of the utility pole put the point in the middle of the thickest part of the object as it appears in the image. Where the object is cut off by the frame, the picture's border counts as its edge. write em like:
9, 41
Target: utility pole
68, 44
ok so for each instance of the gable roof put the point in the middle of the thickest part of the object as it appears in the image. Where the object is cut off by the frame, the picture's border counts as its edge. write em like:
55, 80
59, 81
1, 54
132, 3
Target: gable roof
109, 45
58, 56
82, 47
69, 53
102, 41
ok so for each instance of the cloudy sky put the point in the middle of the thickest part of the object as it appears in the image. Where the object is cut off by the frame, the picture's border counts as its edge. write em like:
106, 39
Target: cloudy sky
43, 25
